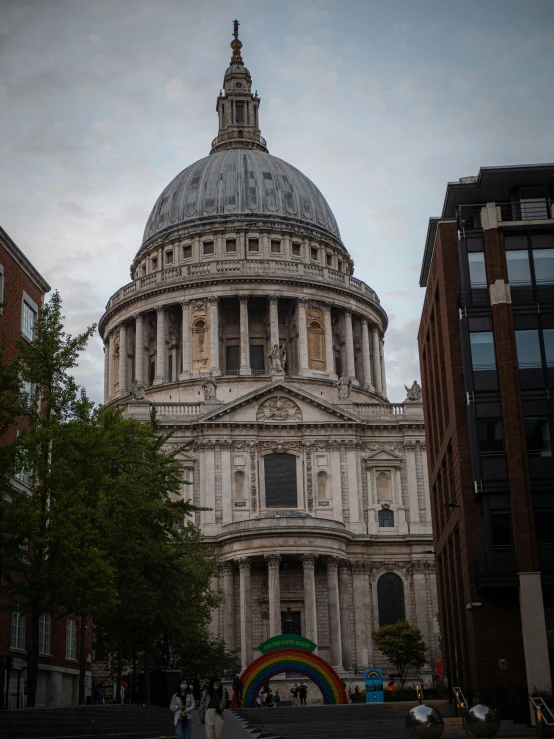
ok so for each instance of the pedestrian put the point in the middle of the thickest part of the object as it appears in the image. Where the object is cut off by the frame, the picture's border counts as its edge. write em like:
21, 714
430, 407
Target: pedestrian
350, 694
264, 698
258, 701
294, 692
211, 709
303, 692
99, 697
196, 691
237, 690
182, 705
227, 701
276, 699
391, 684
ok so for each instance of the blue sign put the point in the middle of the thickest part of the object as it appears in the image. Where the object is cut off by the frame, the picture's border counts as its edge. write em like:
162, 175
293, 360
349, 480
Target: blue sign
373, 678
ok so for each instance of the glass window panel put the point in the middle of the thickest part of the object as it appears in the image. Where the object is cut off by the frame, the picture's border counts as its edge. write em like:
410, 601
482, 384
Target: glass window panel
71, 639
490, 434
528, 349
518, 267
386, 519
544, 526
537, 434
29, 320
477, 271
543, 260
482, 350
390, 597
548, 336
501, 529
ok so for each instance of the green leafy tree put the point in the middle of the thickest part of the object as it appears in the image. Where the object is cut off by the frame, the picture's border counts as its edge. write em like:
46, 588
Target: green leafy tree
403, 645
43, 366
196, 651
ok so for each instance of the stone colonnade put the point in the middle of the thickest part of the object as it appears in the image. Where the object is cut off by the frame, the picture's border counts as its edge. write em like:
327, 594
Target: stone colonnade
338, 605
372, 365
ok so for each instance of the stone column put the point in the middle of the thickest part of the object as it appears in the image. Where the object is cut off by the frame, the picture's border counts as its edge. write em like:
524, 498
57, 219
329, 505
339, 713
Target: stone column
111, 353
229, 605
214, 335
139, 349
533, 626
344, 615
349, 339
310, 609
329, 354
106, 370
245, 368
274, 593
366, 355
185, 338
273, 321
360, 589
160, 345
173, 349
123, 359
334, 613
214, 619
382, 361
245, 612
303, 363
376, 359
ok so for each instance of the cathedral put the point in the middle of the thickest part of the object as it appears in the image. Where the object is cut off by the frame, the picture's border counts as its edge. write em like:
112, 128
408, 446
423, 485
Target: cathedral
246, 330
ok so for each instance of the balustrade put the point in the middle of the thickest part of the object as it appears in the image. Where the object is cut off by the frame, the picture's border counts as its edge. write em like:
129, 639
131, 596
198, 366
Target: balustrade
251, 267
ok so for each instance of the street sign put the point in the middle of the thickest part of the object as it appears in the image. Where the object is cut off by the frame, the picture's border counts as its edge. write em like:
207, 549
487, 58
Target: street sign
373, 678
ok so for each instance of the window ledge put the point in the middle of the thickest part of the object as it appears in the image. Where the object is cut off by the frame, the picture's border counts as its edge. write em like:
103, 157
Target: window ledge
18, 650
71, 659
45, 654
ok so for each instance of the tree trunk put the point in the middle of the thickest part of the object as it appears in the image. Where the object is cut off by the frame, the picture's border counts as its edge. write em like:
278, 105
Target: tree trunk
146, 677
32, 660
82, 658
118, 684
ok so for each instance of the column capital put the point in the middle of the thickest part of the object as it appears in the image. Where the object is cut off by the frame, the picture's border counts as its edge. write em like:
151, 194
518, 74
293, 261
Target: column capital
344, 565
308, 560
160, 309
273, 560
244, 298
226, 567
303, 301
213, 300
245, 564
364, 320
185, 304
138, 316
360, 567
273, 298
348, 312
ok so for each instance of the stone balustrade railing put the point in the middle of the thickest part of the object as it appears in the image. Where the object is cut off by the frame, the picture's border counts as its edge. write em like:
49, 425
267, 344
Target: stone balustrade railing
179, 409
379, 410
246, 267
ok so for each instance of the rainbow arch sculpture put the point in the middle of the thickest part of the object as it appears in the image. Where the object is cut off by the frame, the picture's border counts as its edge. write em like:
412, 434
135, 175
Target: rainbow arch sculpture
295, 660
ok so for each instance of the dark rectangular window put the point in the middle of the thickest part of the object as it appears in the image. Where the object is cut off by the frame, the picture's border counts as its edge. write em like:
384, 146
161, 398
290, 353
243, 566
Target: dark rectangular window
253, 245
548, 337
296, 250
501, 529
257, 359
275, 246
232, 359
290, 622
544, 526
490, 435
519, 271
329, 260
314, 254
280, 481
537, 434
482, 350
528, 349
477, 271
543, 262
239, 112
208, 247
230, 245
187, 251
152, 373
170, 368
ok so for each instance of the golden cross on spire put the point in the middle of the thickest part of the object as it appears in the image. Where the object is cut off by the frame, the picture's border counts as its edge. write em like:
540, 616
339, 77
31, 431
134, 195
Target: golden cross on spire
236, 29
236, 45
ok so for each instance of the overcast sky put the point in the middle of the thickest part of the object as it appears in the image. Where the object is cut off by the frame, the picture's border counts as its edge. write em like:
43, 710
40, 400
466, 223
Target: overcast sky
380, 103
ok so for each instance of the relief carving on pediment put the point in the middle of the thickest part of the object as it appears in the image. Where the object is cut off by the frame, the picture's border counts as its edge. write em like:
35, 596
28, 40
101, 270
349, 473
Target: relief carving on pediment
279, 409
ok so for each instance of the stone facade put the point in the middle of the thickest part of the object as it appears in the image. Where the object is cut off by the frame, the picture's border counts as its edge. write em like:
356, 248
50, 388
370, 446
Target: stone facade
246, 330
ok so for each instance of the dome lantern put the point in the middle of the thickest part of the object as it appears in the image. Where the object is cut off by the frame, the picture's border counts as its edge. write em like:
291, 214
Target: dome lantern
237, 108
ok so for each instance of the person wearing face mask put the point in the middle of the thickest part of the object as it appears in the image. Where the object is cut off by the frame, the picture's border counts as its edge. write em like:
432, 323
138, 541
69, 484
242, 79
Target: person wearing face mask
212, 706
182, 705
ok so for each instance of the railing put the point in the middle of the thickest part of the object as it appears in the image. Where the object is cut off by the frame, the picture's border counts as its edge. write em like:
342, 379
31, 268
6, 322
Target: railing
477, 297
538, 209
179, 409
543, 715
247, 267
247, 135
379, 410
461, 703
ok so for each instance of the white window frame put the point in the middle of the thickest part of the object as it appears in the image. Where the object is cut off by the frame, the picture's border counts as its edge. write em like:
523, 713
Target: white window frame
71, 639
45, 634
18, 626
28, 300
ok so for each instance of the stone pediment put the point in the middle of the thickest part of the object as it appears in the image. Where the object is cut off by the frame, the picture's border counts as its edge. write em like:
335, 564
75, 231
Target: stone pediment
280, 403
382, 455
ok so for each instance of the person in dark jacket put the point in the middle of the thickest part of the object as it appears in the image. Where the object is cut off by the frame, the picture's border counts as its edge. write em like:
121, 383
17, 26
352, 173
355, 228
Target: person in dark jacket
211, 709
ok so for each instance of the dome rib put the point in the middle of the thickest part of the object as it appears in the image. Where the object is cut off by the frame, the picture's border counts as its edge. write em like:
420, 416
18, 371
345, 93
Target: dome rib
240, 181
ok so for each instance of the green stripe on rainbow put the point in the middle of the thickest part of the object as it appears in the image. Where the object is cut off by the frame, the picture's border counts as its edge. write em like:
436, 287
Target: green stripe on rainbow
259, 672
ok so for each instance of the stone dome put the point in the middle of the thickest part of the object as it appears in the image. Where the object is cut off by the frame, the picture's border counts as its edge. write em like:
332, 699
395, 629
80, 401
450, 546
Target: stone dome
241, 182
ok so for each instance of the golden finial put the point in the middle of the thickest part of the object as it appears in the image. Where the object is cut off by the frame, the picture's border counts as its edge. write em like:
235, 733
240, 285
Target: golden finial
236, 45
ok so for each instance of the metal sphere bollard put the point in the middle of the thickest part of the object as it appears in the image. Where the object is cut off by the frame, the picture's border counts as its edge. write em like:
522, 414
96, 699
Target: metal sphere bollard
483, 720
424, 722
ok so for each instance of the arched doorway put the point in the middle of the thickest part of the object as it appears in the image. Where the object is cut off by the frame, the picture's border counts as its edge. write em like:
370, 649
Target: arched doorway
320, 672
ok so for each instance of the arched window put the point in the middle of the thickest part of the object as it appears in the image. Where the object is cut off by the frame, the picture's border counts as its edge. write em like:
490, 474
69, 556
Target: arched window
390, 596
386, 518
321, 485
280, 481
316, 346
239, 484
200, 343
383, 486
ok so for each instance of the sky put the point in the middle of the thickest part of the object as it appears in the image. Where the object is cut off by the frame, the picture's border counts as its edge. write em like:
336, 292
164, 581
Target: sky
379, 103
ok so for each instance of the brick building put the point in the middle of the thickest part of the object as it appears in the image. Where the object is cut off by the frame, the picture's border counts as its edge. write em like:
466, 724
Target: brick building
22, 289
486, 343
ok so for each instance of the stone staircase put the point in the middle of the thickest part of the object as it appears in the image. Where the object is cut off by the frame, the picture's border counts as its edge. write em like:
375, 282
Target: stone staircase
87, 722
357, 721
